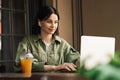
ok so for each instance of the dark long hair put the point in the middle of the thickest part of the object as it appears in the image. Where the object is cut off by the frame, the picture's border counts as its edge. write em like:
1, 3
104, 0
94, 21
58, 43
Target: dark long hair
43, 14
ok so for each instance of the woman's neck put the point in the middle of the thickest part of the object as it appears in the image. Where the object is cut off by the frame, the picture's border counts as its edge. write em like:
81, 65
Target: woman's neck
46, 38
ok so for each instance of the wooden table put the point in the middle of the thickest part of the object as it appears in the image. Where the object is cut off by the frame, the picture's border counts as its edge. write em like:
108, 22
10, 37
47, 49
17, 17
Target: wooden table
14, 76
40, 76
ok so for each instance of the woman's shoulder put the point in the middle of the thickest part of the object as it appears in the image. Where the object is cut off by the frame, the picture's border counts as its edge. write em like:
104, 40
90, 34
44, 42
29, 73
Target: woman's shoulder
30, 38
60, 39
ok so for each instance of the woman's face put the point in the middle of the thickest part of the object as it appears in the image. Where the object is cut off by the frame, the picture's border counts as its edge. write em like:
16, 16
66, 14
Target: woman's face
50, 25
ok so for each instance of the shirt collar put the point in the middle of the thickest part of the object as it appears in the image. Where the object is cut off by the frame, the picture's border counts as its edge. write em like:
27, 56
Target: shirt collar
56, 38
37, 38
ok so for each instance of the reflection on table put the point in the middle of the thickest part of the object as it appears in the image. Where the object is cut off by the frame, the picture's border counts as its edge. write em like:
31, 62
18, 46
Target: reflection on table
40, 76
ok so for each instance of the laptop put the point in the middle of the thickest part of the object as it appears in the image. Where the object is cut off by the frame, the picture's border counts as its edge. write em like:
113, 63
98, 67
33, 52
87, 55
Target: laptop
96, 50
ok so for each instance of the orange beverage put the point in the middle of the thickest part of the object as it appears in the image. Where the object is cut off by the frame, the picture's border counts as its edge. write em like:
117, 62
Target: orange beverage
26, 66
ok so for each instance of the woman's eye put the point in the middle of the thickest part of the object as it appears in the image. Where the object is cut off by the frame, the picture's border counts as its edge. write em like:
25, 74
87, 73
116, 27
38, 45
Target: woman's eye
48, 21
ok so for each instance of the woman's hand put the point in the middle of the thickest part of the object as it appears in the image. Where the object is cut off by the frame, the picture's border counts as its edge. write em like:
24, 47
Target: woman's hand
66, 67
61, 67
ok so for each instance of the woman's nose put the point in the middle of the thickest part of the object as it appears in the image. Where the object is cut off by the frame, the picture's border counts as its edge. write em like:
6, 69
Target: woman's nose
53, 25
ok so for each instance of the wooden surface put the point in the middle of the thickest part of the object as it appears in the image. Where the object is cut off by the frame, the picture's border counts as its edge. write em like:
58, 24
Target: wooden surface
40, 76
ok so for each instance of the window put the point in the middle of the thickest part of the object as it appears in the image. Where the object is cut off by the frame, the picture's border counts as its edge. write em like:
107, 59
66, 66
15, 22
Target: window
13, 26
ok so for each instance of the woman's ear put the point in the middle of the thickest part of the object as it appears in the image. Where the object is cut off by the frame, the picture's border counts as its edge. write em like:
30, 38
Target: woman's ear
39, 23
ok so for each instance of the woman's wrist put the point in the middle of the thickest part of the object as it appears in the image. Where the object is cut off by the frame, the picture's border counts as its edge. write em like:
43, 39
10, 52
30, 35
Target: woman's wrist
56, 68
50, 68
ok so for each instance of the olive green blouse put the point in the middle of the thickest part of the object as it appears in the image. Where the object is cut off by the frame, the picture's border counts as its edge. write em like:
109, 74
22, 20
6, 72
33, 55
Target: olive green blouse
59, 51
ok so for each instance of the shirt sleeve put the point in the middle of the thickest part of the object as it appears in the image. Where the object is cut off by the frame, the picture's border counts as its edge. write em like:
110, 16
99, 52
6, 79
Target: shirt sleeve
23, 48
38, 66
72, 55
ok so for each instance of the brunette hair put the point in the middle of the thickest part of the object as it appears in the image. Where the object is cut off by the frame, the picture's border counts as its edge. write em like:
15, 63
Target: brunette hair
43, 14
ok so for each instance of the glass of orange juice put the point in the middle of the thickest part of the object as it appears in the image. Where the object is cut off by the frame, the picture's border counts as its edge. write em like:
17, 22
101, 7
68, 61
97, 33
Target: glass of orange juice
26, 64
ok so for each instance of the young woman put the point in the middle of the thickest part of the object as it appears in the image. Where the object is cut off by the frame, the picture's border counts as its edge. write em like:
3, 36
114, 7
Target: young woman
50, 52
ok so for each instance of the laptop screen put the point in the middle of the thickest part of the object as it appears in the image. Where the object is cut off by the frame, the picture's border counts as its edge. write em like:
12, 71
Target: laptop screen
96, 50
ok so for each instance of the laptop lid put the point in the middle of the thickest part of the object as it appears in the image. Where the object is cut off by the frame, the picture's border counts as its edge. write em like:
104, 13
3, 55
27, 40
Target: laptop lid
96, 50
